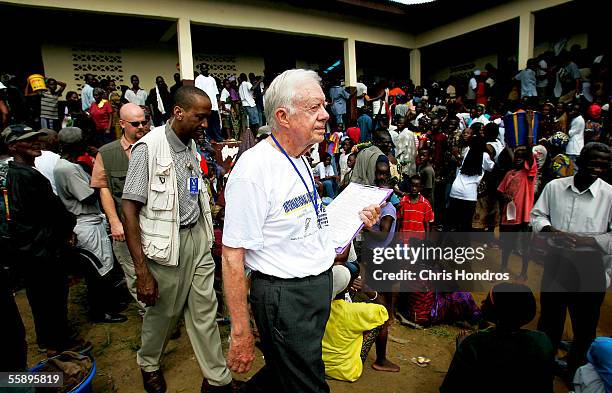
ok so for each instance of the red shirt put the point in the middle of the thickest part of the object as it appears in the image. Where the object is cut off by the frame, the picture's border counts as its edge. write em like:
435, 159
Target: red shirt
100, 115
439, 147
519, 184
413, 216
354, 133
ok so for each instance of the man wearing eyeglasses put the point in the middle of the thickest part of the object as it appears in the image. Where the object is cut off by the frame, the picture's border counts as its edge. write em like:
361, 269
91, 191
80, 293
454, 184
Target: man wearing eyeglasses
108, 176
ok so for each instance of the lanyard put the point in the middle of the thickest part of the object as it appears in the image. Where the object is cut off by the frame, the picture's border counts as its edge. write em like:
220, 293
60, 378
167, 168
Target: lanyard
313, 197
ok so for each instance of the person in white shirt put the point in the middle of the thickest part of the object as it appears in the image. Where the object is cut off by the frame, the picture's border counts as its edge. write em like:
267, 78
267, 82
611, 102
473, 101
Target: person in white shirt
542, 77
576, 132
406, 151
208, 83
327, 176
362, 90
248, 102
464, 191
470, 94
576, 214
135, 94
87, 97
274, 224
45, 163
347, 146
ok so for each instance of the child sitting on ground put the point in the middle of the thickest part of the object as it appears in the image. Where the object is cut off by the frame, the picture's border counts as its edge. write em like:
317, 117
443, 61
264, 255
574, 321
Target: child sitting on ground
504, 358
351, 331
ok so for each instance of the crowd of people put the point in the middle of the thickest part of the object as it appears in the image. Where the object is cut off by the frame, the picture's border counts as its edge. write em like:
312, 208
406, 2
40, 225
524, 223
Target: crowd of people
122, 188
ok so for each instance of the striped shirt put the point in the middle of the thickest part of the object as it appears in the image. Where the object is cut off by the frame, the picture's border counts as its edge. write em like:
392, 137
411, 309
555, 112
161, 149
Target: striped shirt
413, 216
48, 105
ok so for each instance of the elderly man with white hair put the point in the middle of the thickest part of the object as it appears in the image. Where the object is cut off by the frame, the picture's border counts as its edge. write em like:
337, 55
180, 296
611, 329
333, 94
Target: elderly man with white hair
275, 224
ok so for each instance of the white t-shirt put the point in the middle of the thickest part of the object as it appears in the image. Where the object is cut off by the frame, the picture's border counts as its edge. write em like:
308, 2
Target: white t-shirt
139, 98
576, 136
245, 94
471, 90
542, 70
225, 97
324, 171
344, 164
45, 163
361, 90
209, 85
466, 187
269, 213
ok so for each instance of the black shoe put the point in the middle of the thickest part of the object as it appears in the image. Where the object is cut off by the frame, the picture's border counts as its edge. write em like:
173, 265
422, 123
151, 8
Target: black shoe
154, 381
233, 387
109, 317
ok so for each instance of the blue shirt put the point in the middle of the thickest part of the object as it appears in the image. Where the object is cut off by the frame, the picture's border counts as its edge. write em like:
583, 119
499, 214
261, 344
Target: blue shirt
87, 97
338, 96
364, 122
528, 83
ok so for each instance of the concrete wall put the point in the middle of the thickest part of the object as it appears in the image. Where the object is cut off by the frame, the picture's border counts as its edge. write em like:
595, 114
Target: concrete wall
580, 39
444, 71
146, 62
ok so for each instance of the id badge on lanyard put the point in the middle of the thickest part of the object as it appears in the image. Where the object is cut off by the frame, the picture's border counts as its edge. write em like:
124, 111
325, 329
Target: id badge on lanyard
193, 185
193, 182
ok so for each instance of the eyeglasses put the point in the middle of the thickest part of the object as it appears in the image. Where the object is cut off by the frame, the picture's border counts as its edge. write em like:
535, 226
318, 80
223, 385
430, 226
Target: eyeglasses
137, 123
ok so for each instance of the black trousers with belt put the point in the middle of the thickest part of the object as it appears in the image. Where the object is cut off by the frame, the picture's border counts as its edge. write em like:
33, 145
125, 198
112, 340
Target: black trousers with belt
575, 282
291, 315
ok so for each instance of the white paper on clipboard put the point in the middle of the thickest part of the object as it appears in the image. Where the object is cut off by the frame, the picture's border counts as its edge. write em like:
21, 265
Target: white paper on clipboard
343, 212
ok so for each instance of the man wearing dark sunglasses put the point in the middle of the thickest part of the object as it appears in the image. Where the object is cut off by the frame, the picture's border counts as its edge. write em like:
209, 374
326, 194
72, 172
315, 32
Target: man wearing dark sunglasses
109, 176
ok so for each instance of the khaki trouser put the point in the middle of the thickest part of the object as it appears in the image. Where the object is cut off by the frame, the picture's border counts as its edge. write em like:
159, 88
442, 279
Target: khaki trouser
122, 253
186, 289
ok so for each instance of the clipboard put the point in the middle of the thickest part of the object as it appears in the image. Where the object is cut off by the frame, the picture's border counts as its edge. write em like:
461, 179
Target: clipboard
343, 212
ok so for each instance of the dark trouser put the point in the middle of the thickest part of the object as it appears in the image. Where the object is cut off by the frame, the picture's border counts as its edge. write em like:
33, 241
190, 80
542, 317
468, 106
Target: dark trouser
517, 236
291, 315
101, 292
439, 204
460, 214
47, 291
12, 332
574, 282
214, 127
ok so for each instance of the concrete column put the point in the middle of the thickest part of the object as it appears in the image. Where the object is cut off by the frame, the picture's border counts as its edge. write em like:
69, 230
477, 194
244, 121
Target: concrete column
183, 28
526, 38
350, 63
415, 66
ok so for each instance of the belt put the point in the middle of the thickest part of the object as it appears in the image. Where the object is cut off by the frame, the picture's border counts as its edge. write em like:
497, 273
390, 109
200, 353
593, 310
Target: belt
268, 277
188, 226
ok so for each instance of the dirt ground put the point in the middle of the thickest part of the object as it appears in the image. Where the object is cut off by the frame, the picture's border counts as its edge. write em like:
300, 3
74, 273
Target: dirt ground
115, 349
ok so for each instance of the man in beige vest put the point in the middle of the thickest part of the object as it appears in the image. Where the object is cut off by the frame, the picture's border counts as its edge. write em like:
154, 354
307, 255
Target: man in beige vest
168, 228
108, 176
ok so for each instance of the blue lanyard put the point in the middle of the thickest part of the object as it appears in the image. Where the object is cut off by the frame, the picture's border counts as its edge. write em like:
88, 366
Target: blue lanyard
313, 197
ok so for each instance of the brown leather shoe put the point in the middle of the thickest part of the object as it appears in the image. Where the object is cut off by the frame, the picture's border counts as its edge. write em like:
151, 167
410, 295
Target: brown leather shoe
153, 381
232, 387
